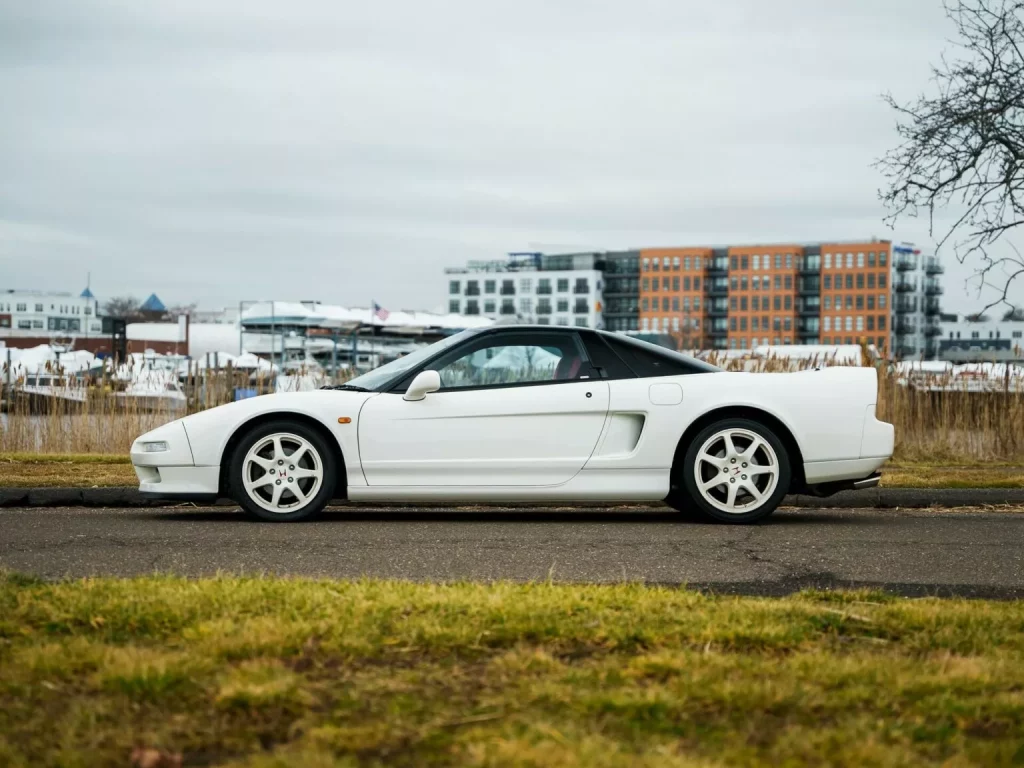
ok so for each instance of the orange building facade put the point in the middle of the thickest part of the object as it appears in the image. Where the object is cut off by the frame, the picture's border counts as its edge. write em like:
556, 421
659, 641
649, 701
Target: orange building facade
738, 297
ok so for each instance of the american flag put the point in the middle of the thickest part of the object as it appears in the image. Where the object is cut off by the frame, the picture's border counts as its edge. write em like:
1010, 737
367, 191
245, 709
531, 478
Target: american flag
379, 311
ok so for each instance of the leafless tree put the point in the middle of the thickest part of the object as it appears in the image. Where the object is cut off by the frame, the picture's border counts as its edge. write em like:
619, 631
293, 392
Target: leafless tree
964, 146
121, 306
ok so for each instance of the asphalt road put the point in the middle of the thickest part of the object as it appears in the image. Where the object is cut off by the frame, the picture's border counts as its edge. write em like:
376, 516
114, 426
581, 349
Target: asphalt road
978, 554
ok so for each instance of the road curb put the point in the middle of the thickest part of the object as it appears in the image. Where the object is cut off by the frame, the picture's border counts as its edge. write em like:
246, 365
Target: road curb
880, 498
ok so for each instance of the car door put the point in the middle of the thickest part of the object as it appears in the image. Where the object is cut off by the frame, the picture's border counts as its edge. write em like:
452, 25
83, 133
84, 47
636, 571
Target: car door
517, 408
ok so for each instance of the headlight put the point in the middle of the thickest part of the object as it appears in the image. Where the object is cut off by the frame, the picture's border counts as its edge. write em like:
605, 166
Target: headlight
158, 446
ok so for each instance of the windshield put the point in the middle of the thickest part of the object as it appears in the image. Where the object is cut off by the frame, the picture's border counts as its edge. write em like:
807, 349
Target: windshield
393, 370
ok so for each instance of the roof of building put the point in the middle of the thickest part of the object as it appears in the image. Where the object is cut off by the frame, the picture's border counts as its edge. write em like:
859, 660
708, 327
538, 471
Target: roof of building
86, 294
153, 304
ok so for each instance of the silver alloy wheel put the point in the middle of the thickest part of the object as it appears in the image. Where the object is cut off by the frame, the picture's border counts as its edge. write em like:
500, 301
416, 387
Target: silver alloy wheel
736, 470
282, 472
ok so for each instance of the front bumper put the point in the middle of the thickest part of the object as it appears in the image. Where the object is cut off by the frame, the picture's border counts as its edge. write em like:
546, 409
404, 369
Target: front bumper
172, 474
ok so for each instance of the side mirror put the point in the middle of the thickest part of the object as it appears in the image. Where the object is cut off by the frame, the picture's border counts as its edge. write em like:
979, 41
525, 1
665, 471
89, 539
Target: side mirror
425, 382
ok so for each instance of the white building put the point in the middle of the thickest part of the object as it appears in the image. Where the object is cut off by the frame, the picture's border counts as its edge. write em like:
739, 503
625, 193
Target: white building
45, 314
981, 338
564, 292
916, 292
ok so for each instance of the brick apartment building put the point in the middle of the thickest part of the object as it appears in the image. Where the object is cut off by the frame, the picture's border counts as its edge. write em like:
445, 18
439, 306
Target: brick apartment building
737, 297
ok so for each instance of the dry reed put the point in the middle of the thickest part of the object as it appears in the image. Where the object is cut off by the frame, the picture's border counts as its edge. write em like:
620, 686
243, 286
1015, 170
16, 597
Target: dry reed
951, 426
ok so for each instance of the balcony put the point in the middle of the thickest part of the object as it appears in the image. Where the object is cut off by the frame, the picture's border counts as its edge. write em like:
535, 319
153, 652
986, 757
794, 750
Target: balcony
810, 266
905, 350
809, 286
719, 266
933, 288
904, 327
718, 333
717, 309
904, 262
508, 290
543, 290
932, 328
809, 309
718, 287
932, 306
931, 349
905, 304
932, 266
904, 284
508, 310
581, 289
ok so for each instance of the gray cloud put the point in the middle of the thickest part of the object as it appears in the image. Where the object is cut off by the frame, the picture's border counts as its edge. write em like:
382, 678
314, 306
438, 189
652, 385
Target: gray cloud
348, 151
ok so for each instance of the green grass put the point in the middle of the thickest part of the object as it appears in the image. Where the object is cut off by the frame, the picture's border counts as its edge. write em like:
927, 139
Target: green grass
282, 672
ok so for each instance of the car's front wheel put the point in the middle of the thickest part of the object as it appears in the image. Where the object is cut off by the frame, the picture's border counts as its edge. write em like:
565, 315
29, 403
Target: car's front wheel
282, 471
734, 471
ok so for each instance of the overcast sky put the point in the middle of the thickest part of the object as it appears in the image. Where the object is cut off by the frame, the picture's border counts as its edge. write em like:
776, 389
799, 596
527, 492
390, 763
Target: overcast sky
215, 151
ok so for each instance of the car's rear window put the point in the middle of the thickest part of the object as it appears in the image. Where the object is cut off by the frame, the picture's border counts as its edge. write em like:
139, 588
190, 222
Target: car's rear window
646, 359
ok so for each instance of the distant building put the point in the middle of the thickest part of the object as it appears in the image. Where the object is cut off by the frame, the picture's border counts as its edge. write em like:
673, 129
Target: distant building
974, 338
550, 289
30, 318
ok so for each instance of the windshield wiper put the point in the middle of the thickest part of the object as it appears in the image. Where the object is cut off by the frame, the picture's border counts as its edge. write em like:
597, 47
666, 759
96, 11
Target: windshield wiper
346, 387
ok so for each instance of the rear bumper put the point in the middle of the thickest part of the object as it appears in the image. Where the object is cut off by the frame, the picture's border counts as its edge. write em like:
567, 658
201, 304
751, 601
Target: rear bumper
828, 489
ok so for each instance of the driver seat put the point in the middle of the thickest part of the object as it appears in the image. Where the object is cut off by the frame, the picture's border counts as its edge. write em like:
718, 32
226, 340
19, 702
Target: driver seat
568, 368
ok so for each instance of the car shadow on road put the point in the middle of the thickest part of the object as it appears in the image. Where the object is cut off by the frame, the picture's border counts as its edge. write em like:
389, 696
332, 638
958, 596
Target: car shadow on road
788, 517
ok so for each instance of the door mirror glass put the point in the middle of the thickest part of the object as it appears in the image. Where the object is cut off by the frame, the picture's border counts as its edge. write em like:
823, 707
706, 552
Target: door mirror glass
424, 383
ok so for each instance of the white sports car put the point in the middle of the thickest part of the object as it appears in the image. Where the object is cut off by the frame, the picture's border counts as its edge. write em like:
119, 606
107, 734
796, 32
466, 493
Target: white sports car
536, 414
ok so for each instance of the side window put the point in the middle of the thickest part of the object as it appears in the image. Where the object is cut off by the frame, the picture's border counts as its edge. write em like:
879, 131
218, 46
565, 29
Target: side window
512, 360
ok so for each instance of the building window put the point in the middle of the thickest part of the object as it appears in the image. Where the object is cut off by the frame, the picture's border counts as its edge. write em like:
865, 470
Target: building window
675, 262
1016, 334
39, 308
453, 287
508, 288
828, 261
25, 325
789, 282
526, 285
39, 324
789, 261
849, 322
860, 281
871, 258
778, 261
828, 302
489, 307
871, 280
860, 322
743, 262
755, 260
871, 302
882, 258
472, 287
489, 286
563, 305
881, 281
526, 306
21, 308
453, 306
871, 322
881, 301
860, 302
472, 307
828, 282
563, 284
860, 259
849, 261
827, 321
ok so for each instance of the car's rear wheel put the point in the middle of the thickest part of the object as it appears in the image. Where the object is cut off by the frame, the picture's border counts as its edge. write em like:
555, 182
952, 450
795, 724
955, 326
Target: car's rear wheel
734, 471
283, 471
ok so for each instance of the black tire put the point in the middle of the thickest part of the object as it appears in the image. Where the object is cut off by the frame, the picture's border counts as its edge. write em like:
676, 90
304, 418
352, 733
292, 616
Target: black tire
687, 497
323, 455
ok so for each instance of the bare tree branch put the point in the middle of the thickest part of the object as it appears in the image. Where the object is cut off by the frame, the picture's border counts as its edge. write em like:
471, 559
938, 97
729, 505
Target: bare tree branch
965, 146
